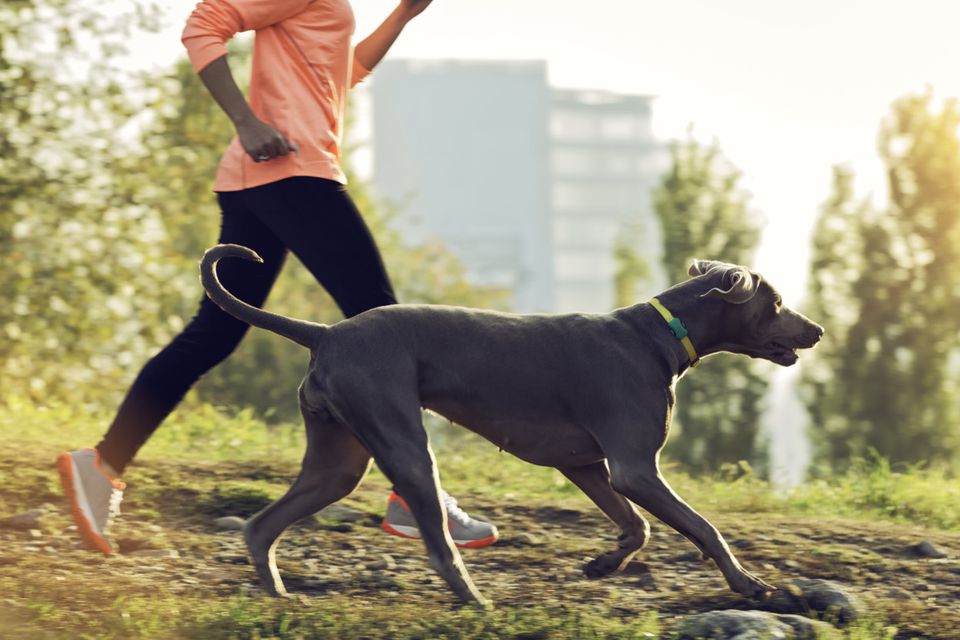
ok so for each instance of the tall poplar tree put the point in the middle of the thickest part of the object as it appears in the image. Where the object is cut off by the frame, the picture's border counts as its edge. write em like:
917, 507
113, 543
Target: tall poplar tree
704, 213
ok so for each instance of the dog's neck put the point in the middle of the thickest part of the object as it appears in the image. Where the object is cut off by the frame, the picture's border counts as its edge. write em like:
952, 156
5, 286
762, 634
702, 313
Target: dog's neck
699, 315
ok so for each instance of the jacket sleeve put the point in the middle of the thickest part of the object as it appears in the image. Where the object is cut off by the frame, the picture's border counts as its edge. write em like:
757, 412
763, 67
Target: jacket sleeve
213, 22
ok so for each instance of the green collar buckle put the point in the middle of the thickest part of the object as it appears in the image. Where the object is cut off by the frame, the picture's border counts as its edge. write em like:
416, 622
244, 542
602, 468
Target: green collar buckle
678, 329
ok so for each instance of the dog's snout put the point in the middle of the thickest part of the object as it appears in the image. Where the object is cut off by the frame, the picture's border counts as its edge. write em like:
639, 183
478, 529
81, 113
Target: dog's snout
818, 330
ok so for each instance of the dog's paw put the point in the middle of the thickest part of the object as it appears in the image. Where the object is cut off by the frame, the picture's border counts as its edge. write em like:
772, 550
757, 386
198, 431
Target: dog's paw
604, 565
749, 585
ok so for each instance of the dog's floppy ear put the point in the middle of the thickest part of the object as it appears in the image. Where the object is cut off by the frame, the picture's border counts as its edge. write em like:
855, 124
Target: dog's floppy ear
737, 284
701, 267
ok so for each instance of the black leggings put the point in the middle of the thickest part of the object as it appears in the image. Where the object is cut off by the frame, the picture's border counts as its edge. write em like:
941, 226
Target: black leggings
313, 217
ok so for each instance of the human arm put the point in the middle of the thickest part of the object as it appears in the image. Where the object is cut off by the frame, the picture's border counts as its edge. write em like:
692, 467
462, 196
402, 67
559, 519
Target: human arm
371, 50
258, 139
209, 27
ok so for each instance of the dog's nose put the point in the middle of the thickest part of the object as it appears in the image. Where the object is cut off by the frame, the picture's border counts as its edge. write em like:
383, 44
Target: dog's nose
819, 331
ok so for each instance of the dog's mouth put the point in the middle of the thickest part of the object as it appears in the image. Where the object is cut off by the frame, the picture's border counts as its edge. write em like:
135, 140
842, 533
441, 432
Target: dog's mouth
782, 354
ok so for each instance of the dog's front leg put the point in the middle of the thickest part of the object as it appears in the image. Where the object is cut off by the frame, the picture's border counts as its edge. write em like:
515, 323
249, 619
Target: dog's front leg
649, 490
594, 480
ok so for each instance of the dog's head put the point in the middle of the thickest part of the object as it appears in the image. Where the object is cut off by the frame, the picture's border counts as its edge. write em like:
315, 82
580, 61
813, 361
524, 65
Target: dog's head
753, 320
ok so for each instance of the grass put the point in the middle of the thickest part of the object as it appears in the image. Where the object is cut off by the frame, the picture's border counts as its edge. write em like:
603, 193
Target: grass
469, 464
207, 462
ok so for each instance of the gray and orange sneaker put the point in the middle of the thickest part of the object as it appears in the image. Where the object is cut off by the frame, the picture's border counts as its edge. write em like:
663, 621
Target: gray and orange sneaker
94, 496
467, 532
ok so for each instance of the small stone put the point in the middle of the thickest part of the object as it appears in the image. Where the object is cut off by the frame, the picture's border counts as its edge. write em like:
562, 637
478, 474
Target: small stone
527, 539
127, 546
926, 549
36, 533
229, 523
384, 563
690, 556
898, 593
744, 543
792, 564
232, 558
341, 513
155, 553
24, 521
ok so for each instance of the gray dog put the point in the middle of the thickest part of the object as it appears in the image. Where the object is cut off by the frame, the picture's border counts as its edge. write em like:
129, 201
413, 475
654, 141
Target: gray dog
589, 394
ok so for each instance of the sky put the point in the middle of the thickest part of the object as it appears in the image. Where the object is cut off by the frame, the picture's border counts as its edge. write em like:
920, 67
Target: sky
787, 89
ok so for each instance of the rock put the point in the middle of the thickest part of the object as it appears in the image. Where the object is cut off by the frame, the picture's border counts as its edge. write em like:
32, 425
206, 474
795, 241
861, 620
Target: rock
744, 543
807, 629
792, 564
35, 534
733, 625
824, 597
341, 513
926, 549
229, 523
24, 521
384, 563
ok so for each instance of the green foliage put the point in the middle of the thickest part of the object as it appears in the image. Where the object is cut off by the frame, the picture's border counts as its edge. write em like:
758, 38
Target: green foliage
632, 270
886, 285
74, 251
704, 214
106, 206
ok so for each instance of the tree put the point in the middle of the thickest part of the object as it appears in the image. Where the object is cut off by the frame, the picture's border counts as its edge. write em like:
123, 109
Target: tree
71, 251
103, 231
705, 214
886, 285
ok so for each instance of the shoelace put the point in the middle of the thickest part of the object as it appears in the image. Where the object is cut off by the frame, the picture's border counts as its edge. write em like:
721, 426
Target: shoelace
113, 509
455, 512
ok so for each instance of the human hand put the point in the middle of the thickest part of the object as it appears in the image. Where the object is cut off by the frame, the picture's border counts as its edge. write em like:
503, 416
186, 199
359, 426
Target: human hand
412, 8
262, 142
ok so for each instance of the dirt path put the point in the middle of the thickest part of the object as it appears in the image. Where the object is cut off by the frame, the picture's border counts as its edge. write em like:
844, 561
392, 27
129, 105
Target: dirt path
172, 544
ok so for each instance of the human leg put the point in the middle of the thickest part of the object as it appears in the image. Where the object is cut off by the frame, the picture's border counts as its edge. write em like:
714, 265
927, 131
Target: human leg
89, 475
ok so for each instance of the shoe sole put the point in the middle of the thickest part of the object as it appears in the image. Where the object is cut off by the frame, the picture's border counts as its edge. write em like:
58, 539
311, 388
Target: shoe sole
402, 531
73, 488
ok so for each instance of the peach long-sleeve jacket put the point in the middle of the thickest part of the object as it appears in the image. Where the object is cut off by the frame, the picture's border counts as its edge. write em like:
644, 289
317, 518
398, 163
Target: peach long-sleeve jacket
303, 68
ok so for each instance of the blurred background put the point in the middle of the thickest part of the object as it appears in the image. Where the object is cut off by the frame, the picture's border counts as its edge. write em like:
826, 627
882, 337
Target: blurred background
531, 157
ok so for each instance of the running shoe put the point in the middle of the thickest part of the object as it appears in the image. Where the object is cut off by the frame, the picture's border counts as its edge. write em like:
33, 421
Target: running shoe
466, 532
94, 496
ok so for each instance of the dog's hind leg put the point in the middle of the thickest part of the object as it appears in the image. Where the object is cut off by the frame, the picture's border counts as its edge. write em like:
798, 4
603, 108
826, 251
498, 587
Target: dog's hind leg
594, 480
333, 465
391, 428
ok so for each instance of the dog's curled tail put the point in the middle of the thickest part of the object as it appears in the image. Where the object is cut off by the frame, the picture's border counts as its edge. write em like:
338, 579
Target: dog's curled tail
300, 331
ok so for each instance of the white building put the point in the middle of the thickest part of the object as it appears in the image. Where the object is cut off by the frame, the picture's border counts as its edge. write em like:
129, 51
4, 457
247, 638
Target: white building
528, 185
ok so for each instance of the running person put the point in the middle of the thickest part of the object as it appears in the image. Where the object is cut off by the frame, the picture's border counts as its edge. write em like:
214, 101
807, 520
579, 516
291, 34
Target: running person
280, 187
